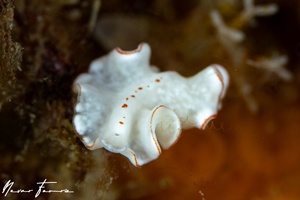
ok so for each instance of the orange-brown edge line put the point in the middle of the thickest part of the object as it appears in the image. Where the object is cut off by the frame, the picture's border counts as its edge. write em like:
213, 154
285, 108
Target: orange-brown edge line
152, 134
78, 92
219, 75
207, 120
139, 49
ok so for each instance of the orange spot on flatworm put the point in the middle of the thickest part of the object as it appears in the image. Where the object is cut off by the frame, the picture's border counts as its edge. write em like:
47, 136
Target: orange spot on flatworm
157, 80
126, 99
140, 88
132, 96
124, 105
121, 122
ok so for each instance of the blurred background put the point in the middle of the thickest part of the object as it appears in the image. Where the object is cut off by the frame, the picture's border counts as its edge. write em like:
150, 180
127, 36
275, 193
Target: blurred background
250, 151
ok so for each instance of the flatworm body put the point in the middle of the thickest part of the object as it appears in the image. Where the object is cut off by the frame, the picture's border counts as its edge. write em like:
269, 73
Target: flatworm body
126, 107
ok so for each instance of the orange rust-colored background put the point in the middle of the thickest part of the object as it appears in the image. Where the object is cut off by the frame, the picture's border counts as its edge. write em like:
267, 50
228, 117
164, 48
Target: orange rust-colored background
238, 156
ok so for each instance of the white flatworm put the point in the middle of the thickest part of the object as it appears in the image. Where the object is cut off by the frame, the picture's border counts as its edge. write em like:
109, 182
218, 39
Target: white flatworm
125, 106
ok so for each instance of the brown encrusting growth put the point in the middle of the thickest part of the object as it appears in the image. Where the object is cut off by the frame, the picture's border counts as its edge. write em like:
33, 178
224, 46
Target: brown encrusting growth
10, 55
